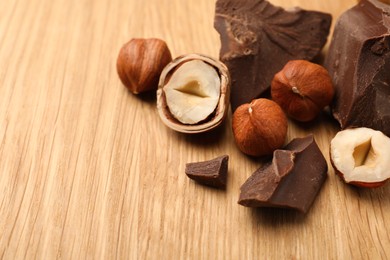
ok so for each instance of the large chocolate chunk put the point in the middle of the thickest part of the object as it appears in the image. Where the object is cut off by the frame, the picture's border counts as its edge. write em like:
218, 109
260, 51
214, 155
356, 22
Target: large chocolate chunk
359, 63
292, 180
211, 173
258, 39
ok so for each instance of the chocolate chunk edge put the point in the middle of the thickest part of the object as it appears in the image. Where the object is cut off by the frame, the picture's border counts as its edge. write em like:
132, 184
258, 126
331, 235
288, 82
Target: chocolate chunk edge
283, 189
210, 173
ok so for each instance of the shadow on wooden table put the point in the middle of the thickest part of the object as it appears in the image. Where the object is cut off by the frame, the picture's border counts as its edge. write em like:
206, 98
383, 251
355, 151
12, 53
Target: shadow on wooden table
149, 97
274, 217
374, 194
215, 136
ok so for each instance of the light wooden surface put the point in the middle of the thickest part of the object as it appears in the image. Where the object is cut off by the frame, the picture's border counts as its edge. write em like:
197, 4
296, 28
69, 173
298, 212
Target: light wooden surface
88, 170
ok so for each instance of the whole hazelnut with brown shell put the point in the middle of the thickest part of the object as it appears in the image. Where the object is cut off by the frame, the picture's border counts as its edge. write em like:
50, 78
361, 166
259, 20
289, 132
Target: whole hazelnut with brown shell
260, 127
140, 62
303, 89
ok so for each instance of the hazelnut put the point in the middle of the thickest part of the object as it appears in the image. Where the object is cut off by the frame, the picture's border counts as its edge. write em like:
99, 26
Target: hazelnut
302, 89
140, 63
361, 157
193, 93
260, 127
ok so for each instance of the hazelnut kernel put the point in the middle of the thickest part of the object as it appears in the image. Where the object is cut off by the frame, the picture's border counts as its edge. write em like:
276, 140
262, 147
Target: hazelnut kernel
193, 93
360, 156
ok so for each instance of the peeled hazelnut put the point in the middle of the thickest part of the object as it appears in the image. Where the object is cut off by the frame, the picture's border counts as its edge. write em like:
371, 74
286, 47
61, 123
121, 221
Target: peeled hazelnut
361, 157
302, 89
193, 93
260, 127
140, 63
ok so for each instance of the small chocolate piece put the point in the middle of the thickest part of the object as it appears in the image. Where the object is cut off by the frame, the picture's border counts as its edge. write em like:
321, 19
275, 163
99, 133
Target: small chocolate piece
292, 180
359, 63
258, 39
211, 173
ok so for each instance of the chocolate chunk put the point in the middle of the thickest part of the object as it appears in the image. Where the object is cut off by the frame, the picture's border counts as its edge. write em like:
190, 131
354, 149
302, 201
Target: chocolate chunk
258, 39
359, 63
292, 180
211, 173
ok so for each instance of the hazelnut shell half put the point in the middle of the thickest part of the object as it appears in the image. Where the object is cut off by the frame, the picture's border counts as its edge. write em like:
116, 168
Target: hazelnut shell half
220, 112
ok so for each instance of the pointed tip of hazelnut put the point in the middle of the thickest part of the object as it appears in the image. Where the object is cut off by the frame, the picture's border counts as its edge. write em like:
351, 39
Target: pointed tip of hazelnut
250, 109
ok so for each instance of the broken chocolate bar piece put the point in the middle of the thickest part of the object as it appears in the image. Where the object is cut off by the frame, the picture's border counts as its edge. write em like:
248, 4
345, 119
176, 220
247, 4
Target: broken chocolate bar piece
257, 40
359, 64
292, 180
211, 173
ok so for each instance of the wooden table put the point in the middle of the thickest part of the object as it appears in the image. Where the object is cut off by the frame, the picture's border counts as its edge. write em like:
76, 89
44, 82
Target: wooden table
88, 170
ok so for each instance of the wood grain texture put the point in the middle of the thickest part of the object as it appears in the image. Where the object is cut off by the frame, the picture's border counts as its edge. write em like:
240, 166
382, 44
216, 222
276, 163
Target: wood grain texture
87, 170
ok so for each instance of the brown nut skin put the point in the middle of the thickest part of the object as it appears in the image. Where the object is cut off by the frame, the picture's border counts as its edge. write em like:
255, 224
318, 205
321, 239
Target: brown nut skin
302, 89
140, 62
260, 127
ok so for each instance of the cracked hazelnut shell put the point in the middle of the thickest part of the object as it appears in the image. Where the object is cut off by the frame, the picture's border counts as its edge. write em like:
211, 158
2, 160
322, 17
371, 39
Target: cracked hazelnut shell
140, 62
361, 157
259, 127
193, 93
303, 89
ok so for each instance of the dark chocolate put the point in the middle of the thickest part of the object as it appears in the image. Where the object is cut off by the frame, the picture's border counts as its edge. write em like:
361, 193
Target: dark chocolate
359, 64
211, 173
257, 40
292, 180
